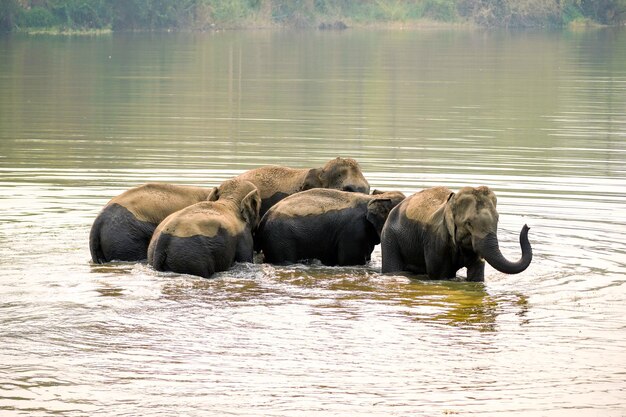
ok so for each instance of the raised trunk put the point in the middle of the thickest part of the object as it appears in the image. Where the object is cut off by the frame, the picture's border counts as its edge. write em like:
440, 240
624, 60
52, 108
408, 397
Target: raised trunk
489, 249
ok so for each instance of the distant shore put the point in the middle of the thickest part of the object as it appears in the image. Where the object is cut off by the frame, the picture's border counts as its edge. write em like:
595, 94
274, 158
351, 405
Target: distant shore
95, 17
425, 25
333, 26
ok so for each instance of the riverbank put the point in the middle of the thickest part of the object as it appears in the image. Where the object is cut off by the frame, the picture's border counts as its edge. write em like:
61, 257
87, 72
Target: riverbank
423, 24
62, 31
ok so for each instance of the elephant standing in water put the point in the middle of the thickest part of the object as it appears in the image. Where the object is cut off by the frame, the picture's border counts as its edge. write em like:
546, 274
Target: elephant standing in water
277, 182
209, 236
122, 230
336, 227
437, 232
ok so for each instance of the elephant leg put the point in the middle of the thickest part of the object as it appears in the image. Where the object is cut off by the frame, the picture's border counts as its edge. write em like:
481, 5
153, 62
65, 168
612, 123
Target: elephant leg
392, 258
245, 250
476, 271
349, 253
278, 242
189, 255
280, 253
117, 235
439, 263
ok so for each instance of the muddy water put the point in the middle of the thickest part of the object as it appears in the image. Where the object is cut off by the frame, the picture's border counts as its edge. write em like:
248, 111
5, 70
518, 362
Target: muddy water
538, 117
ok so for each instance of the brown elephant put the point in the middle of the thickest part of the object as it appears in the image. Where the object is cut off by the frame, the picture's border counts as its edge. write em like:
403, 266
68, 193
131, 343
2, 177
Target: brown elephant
122, 230
209, 236
336, 227
277, 182
437, 232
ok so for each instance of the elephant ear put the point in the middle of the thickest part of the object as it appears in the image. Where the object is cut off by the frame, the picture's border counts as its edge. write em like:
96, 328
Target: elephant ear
249, 209
213, 195
448, 218
377, 211
313, 179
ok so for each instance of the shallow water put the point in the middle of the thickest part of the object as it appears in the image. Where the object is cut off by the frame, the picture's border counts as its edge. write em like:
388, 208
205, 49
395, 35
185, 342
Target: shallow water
538, 117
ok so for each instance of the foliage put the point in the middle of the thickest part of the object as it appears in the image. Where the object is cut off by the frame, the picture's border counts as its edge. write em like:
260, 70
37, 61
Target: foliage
604, 11
508, 13
443, 10
82, 13
37, 17
8, 12
230, 11
528, 13
299, 13
201, 14
152, 14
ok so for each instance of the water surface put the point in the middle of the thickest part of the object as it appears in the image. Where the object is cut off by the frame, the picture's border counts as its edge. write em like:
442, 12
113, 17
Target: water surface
538, 117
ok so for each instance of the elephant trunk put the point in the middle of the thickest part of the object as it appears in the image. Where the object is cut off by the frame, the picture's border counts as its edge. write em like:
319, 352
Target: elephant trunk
489, 249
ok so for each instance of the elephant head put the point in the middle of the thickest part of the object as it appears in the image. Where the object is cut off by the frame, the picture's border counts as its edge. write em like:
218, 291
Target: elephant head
340, 173
379, 207
242, 194
472, 222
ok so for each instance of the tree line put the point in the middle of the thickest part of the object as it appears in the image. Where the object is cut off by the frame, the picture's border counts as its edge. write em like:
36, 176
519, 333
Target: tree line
121, 15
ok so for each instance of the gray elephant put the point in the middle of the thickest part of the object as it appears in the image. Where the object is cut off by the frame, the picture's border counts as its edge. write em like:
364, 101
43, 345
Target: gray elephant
209, 236
336, 227
122, 230
277, 182
437, 232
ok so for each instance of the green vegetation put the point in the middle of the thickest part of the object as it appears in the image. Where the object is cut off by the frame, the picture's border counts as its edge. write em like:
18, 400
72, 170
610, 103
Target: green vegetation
89, 15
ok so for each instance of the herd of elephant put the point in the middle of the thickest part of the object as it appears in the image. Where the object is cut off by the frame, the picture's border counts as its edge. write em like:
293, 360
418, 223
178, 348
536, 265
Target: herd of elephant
291, 215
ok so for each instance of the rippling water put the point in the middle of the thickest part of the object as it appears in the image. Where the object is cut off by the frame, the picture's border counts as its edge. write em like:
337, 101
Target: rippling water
538, 117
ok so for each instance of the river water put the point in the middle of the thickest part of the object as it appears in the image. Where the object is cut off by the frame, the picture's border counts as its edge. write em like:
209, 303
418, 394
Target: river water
538, 117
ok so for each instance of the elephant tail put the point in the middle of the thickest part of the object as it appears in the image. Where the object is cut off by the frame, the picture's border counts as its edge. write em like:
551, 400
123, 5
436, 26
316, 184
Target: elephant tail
95, 244
159, 258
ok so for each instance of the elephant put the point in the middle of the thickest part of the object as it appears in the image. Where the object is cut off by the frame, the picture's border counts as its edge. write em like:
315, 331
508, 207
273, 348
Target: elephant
336, 227
122, 230
277, 182
209, 236
437, 232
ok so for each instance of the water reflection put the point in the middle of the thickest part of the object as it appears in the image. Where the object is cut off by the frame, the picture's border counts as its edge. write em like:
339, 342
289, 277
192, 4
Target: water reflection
344, 292
356, 95
118, 268
107, 291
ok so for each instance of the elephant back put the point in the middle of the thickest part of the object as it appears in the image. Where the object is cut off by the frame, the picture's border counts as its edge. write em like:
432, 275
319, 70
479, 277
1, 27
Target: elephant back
206, 218
317, 201
420, 206
153, 202
273, 179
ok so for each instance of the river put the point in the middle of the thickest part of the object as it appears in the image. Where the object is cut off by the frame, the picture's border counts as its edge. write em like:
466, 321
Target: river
540, 117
